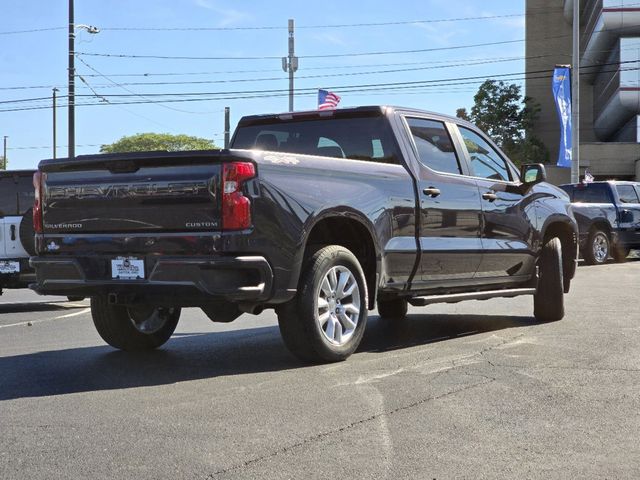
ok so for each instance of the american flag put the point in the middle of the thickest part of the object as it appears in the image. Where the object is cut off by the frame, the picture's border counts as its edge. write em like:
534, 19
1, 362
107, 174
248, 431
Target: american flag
327, 100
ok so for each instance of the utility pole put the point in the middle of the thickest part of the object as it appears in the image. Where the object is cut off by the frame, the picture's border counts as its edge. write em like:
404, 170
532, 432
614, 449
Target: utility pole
575, 96
226, 126
72, 84
4, 156
55, 90
290, 64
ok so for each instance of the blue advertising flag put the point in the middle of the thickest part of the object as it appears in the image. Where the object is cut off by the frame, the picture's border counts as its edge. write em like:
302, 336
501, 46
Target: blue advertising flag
562, 95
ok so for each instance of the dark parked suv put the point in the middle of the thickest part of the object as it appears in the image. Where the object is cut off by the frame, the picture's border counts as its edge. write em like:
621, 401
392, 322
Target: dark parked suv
319, 215
608, 215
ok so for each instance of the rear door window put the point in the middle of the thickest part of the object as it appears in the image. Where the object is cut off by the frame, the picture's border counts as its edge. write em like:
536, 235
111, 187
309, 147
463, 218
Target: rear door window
435, 149
627, 194
592, 193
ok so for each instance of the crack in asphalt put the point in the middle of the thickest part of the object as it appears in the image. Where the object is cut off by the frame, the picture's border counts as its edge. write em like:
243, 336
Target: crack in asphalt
321, 436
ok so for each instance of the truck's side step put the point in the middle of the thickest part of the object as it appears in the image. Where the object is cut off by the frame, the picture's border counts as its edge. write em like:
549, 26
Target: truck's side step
459, 297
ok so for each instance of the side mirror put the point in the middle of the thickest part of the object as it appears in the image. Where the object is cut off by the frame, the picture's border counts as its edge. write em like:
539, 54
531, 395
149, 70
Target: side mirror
532, 173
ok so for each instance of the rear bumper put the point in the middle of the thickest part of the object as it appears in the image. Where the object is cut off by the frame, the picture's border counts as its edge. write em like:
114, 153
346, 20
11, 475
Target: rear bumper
179, 281
20, 279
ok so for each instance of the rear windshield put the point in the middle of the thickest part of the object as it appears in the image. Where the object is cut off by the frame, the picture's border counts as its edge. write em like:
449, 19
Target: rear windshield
590, 193
16, 194
367, 138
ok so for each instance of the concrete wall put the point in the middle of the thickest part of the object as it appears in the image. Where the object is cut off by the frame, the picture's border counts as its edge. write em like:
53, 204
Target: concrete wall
545, 22
549, 37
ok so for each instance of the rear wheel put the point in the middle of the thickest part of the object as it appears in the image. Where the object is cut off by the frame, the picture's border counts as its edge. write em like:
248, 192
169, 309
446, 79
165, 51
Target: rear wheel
393, 309
597, 249
326, 320
548, 301
142, 327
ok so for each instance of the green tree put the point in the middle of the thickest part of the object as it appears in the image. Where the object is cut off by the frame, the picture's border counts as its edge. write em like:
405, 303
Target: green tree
500, 110
3, 165
144, 142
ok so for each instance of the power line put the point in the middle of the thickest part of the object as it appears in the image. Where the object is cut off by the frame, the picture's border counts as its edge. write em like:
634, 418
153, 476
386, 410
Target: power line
230, 95
436, 64
33, 30
343, 25
334, 55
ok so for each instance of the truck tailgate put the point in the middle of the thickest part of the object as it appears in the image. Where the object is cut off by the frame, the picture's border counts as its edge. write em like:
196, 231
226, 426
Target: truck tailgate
133, 193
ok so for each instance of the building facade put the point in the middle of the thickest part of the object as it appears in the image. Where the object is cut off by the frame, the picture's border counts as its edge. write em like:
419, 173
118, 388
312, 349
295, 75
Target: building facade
609, 81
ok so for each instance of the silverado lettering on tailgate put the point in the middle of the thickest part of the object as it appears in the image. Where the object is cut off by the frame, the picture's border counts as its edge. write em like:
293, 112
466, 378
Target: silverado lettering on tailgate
160, 189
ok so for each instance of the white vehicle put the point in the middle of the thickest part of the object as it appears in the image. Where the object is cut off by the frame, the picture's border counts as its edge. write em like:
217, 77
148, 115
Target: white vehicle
16, 228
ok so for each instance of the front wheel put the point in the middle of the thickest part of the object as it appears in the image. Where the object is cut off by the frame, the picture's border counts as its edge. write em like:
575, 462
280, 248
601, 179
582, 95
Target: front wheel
132, 328
548, 301
596, 252
326, 320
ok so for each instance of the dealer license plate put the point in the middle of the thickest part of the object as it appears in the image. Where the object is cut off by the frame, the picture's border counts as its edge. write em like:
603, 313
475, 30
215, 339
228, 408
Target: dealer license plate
7, 266
127, 268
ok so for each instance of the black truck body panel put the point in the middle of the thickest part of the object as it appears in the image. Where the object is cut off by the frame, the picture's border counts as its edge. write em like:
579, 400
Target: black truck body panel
165, 208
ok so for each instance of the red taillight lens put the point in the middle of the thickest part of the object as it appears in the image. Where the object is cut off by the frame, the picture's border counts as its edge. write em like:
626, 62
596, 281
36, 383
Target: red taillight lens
236, 208
37, 202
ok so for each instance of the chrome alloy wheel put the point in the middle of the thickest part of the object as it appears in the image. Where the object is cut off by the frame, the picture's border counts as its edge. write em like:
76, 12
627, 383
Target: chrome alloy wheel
148, 319
600, 247
338, 305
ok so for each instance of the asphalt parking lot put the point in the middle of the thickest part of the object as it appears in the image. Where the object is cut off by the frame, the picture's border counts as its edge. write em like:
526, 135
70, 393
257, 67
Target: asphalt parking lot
472, 390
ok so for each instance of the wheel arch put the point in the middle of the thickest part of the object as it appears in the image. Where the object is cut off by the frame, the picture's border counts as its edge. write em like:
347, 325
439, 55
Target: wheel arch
568, 235
350, 230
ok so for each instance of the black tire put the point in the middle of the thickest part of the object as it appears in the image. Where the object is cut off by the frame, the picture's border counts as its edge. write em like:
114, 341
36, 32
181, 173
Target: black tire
597, 248
27, 233
620, 253
116, 324
300, 319
72, 298
548, 301
393, 309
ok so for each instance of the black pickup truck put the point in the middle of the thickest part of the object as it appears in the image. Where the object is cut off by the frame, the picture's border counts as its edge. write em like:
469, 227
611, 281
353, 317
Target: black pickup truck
608, 216
320, 215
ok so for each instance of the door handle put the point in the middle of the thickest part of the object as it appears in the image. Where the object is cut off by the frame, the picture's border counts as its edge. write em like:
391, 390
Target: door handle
431, 191
489, 196
13, 233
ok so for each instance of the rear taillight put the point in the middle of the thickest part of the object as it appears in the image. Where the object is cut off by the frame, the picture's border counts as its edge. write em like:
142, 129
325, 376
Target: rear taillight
37, 203
236, 208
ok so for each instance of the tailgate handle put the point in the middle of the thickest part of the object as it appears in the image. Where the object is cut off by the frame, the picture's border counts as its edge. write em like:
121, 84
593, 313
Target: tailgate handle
13, 233
123, 166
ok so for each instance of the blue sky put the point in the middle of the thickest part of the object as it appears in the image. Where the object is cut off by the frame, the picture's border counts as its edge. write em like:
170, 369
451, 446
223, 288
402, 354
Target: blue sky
39, 59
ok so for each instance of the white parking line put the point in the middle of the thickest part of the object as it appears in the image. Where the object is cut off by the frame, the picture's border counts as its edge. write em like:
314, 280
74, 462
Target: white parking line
32, 322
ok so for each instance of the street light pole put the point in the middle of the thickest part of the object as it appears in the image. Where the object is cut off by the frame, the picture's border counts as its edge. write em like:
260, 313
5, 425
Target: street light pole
72, 85
575, 96
55, 90
72, 77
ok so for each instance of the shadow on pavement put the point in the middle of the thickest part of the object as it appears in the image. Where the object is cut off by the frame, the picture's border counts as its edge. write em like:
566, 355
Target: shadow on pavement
208, 355
383, 335
37, 307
